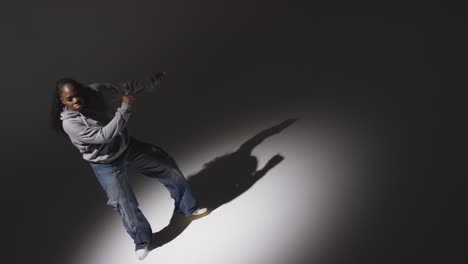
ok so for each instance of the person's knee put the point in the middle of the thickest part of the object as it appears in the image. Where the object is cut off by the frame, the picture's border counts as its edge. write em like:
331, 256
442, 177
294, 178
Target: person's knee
127, 211
176, 175
113, 204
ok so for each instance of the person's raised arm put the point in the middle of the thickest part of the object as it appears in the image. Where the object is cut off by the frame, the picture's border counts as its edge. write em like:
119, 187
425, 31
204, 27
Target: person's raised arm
143, 85
101, 135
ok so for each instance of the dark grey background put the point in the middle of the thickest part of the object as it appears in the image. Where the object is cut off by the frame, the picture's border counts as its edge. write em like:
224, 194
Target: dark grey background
393, 67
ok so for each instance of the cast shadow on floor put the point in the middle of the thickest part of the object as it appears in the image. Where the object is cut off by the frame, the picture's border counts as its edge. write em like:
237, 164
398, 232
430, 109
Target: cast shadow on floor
222, 180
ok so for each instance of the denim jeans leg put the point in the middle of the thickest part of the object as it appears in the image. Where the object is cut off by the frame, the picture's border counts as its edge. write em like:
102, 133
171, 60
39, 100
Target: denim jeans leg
113, 178
153, 162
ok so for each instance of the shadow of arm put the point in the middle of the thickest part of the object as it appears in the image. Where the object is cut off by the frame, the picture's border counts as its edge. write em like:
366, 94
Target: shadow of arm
275, 160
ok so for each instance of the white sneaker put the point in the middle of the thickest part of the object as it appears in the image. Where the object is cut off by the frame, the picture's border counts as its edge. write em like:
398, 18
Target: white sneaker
199, 211
142, 253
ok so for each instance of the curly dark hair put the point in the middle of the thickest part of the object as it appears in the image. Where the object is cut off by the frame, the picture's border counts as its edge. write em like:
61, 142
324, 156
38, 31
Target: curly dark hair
57, 105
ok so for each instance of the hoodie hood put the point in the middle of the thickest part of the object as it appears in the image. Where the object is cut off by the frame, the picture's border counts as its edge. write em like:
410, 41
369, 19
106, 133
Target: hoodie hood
66, 113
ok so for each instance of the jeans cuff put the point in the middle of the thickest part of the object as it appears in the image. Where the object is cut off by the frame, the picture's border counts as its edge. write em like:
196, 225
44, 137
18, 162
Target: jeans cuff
190, 211
141, 245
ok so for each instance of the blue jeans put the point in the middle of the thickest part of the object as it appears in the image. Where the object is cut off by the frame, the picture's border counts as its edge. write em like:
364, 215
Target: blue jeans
150, 161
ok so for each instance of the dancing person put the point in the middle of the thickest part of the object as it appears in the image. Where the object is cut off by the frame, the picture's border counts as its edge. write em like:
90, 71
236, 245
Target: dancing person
94, 118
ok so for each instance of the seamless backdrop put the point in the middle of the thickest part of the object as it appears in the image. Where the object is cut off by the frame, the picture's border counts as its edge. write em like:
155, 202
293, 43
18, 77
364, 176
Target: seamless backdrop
389, 71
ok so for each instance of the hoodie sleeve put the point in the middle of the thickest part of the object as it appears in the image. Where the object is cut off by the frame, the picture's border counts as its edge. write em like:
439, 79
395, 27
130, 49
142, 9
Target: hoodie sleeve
98, 135
144, 85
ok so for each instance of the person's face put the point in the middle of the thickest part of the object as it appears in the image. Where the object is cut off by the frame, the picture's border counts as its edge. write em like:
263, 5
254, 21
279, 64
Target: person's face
72, 98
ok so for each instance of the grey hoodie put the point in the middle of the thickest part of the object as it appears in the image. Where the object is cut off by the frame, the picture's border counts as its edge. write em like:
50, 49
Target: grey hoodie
99, 130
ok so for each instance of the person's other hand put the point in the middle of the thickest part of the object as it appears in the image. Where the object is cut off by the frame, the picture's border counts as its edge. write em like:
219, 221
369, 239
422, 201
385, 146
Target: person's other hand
161, 75
128, 99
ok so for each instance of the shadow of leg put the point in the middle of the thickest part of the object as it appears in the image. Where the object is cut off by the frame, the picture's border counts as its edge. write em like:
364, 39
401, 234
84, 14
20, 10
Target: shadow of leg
176, 226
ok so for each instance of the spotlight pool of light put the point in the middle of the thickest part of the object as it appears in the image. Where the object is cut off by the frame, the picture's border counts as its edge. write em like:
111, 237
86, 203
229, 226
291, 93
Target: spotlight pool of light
284, 217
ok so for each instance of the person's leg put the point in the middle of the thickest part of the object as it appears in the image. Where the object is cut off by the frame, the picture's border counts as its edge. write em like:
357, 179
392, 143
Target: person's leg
113, 179
154, 162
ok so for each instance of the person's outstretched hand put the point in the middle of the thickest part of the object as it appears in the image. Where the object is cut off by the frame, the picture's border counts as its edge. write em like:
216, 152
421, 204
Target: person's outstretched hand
128, 99
161, 75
